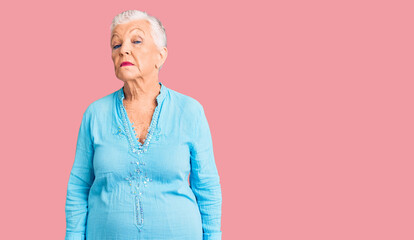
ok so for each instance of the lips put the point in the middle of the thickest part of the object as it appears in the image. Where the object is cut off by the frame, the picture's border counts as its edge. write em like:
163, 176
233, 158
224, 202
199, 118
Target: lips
126, 64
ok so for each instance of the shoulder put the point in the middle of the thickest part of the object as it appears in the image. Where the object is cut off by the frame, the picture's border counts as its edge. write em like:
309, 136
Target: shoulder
185, 102
100, 105
104, 103
98, 110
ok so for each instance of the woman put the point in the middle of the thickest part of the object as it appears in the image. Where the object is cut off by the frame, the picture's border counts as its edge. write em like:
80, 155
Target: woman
144, 166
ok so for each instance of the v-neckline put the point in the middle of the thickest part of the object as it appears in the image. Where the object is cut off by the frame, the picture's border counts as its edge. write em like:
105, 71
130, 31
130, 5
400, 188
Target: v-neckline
136, 145
132, 129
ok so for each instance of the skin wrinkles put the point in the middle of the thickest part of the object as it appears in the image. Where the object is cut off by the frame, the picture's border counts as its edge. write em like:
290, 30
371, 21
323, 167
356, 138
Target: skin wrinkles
135, 44
115, 34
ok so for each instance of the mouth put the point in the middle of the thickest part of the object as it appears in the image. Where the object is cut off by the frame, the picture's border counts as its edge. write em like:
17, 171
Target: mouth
126, 64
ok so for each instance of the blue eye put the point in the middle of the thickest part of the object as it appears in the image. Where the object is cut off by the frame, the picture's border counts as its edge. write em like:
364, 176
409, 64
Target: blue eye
117, 46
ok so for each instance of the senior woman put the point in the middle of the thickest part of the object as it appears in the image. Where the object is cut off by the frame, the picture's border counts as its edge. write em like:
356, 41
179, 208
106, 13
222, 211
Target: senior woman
144, 166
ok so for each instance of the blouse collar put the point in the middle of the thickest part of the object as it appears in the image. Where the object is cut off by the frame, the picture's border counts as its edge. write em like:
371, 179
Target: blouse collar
159, 98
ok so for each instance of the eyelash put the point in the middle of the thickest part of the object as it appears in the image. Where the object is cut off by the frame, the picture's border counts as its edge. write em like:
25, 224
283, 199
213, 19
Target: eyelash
120, 45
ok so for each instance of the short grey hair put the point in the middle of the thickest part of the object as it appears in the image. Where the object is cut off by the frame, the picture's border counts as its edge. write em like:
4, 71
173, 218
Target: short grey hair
157, 29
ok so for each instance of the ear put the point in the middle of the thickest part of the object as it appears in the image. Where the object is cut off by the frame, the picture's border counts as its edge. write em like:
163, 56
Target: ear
162, 56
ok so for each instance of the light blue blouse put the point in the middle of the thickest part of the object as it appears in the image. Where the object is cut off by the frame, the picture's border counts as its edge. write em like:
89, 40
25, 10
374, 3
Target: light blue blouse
166, 188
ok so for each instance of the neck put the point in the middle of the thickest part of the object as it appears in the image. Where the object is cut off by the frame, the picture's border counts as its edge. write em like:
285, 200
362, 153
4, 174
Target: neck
140, 91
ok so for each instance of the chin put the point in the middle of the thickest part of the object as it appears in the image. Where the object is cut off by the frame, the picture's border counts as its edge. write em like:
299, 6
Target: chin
128, 77
126, 74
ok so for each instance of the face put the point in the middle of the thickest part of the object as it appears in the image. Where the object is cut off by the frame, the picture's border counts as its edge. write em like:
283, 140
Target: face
133, 42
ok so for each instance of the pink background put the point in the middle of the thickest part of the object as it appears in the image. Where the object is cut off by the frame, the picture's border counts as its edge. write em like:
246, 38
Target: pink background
310, 105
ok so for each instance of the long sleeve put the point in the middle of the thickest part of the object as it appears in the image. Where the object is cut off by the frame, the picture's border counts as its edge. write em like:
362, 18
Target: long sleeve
80, 181
204, 179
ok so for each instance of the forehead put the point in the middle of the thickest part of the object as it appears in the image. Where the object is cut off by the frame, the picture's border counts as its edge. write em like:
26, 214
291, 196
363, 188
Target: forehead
141, 25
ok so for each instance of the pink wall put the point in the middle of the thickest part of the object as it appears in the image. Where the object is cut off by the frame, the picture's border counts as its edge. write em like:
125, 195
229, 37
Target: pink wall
310, 105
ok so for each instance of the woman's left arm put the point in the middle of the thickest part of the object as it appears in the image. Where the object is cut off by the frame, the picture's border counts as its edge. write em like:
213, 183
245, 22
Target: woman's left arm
204, 179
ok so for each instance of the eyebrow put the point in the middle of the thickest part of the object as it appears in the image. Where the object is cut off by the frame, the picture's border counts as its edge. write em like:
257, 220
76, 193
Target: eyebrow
138, 29
130, 31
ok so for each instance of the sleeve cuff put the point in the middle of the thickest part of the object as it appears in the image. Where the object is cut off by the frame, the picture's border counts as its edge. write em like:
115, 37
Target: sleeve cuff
212, 236
74, 236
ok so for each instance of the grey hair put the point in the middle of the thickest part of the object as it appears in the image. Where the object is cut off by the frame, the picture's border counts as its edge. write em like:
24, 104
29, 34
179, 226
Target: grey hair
157, 29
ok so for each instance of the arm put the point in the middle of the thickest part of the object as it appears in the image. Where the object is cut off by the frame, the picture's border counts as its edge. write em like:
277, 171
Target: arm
80, 181
204, 179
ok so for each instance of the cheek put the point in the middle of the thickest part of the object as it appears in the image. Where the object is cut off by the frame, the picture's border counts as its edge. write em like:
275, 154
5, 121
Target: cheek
147, 59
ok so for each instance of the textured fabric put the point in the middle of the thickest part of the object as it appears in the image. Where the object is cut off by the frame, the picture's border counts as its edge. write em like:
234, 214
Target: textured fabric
166, 188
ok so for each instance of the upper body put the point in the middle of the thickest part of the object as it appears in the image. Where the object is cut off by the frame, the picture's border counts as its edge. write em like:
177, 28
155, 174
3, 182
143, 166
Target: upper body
144, 166
119, 188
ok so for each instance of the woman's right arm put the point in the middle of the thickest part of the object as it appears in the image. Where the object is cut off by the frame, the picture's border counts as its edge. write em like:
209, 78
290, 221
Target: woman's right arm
80, 180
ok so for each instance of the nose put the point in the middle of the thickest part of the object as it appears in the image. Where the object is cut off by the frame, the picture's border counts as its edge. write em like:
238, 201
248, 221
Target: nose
125, 49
